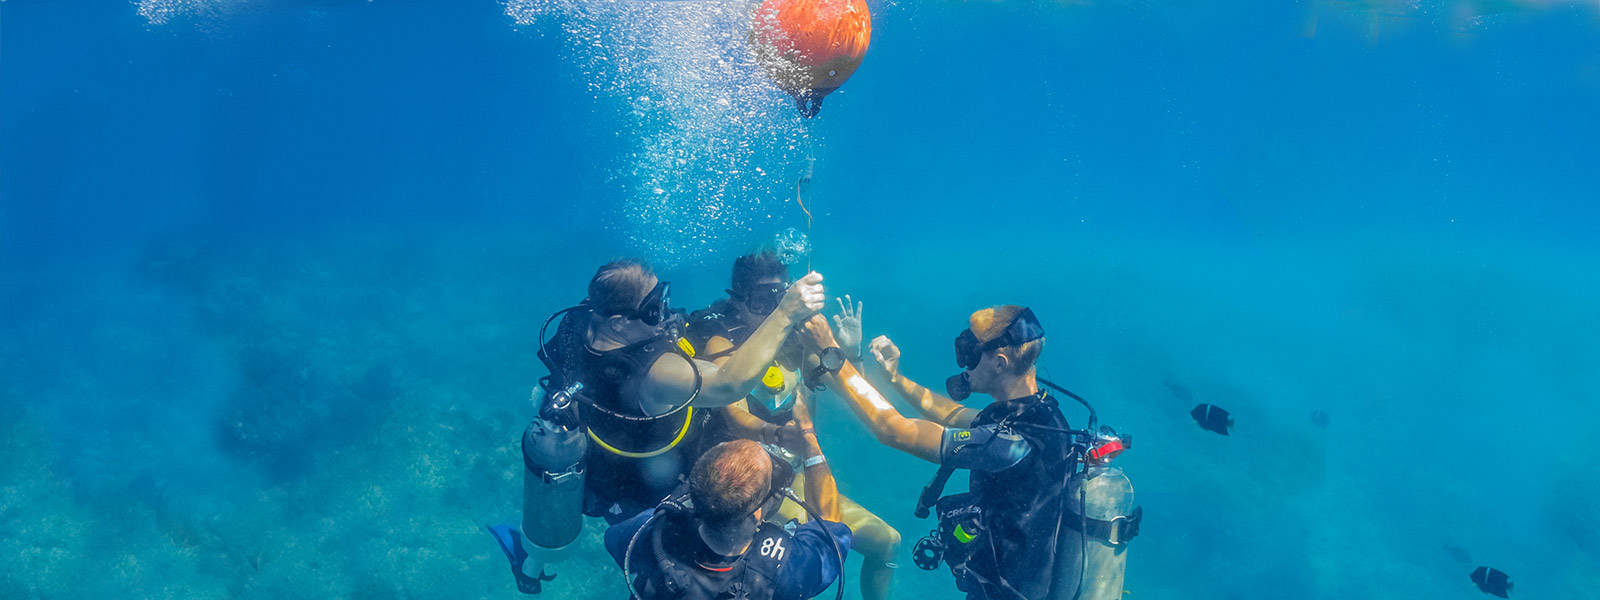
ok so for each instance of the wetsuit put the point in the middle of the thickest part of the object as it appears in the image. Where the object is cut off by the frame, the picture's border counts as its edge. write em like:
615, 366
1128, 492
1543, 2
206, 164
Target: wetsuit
1018, 477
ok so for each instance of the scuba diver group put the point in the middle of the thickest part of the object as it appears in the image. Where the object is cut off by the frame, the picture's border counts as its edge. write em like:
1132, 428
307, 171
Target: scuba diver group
691, 436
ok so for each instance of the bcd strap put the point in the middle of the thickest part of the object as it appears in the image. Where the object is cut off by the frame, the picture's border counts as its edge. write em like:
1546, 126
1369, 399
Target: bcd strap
1117, 532
932, 491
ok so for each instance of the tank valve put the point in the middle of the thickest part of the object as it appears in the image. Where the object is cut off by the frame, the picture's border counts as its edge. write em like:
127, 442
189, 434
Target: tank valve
560, 410
1106, 445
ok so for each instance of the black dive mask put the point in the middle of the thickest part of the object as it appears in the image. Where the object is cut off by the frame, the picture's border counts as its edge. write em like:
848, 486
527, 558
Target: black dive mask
1023, 329
782, 478
958, 387
761, 299
655, 307
777, 489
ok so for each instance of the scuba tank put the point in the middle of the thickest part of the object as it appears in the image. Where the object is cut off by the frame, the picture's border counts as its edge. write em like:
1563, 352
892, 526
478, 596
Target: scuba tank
1096, 528
553, 449
1100, 517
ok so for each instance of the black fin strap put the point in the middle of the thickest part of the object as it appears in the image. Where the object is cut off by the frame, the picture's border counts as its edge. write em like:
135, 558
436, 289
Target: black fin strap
932, 491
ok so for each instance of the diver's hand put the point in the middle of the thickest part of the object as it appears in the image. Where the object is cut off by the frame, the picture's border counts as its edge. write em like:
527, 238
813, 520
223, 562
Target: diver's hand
819, 335
804, 298
888, 355
848, 322
789, 437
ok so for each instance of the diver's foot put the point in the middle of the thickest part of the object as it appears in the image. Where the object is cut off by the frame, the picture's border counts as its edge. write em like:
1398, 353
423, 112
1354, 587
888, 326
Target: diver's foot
510, 540
531, 585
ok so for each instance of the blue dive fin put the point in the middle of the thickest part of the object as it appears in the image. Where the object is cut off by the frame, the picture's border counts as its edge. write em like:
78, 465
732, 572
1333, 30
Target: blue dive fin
510, 540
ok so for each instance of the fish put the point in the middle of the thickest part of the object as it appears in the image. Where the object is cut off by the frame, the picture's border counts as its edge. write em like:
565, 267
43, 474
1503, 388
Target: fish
1457, 553
1320, 418
1492, 581
1212, 418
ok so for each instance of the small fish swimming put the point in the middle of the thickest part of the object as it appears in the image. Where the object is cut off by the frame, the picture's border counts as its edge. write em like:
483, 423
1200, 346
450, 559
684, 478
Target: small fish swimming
1457, 553
1492, 581
1212, 418
1320, 418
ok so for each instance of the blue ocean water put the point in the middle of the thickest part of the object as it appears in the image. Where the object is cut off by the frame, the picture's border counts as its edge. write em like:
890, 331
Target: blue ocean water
271, 272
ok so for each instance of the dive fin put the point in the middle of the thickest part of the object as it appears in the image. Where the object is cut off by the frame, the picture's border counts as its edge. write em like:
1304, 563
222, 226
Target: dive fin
510, 540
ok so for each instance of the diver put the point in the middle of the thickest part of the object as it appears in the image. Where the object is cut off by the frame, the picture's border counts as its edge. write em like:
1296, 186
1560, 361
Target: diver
766, 413
715, 539
1033, 526
621, 411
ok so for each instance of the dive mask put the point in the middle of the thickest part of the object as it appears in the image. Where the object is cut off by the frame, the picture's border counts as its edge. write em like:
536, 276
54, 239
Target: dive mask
655, 307
1023, 329
762, 299
782, 479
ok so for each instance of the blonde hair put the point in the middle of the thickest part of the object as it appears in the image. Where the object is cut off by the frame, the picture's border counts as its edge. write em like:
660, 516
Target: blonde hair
991, 323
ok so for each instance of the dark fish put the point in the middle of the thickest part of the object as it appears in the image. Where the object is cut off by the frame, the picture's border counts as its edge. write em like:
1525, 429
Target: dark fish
1319, 418
1212, 418
1492, 581
1457, 553
1178, 391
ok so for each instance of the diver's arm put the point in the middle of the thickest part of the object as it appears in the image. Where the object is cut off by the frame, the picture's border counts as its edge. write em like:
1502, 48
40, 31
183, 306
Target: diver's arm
733, 379
672, 379
740, 423
916, 437
737, 417
934, 406
821, 491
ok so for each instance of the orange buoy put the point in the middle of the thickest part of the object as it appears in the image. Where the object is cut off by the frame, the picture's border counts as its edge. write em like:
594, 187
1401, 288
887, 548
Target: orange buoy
810, 47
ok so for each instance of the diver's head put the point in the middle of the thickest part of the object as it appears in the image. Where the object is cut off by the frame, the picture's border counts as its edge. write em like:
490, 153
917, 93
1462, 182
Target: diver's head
731, 485
996, 352
759, 282
628, 300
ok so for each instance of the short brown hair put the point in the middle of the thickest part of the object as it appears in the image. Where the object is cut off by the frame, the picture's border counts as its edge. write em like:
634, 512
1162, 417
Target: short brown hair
992, 322
619, 286
729, 480
756, 266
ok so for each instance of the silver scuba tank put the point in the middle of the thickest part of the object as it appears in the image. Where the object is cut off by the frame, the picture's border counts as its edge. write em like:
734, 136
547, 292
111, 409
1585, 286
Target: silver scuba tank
553, 450
1100, 520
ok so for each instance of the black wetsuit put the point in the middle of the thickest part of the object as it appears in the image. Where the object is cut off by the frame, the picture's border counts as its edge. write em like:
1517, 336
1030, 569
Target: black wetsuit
1018, 477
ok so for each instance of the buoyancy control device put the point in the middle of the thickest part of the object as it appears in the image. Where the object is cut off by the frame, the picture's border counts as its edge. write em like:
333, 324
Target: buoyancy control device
1097, 520
555, 445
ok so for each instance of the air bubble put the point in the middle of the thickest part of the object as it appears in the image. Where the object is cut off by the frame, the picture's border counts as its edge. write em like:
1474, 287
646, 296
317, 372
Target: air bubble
791, 246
